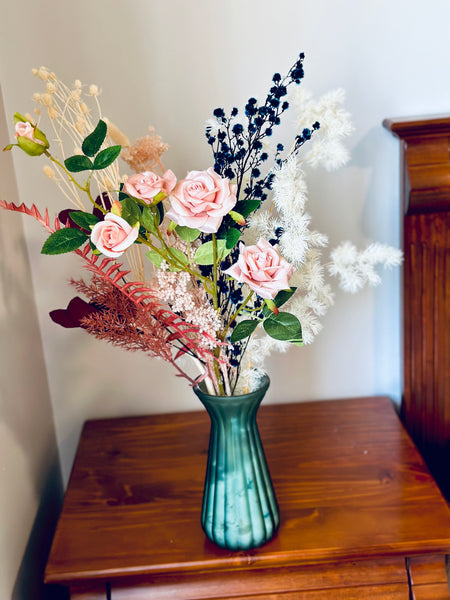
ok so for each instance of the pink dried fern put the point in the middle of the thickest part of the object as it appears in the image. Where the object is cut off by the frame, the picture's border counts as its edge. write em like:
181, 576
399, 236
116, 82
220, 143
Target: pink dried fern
32, 212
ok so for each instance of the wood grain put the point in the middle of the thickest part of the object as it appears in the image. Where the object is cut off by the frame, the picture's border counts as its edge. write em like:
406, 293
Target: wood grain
425, 160
350, 484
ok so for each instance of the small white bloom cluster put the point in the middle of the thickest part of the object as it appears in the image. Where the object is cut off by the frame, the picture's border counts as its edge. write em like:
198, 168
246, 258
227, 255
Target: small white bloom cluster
355, 269
173, 288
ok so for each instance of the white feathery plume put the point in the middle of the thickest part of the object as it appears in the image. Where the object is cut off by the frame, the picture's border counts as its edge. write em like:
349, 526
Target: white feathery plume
326, 147
355, 269
294, 240
213, 126
262, 224
289, 188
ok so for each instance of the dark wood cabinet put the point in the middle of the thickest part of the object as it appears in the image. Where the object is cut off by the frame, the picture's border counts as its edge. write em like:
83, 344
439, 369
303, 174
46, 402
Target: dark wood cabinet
425, 165
361, 516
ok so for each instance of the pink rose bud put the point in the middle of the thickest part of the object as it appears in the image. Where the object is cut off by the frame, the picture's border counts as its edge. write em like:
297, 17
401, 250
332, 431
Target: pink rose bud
202, 200
262, 268
147, 185
29, 138
113, 235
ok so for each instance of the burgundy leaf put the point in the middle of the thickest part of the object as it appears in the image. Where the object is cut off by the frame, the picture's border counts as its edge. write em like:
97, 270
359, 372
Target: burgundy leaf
72, 316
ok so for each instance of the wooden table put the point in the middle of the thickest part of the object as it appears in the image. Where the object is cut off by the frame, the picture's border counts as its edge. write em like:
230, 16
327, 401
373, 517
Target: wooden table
361, 516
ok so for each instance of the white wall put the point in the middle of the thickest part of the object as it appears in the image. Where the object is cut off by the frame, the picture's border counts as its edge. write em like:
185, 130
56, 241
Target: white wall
169, 64
30, 486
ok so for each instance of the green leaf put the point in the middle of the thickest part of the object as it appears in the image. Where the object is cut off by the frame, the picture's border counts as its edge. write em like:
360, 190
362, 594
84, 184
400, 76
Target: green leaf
157, 259
180, 257
130, 211
205, 253
148, 218
92, 143
186, 233
233, 236
78, 163
245, 207
84, 219
285, 327
64, 240
243, 329
281, 298
154, 257
105, 157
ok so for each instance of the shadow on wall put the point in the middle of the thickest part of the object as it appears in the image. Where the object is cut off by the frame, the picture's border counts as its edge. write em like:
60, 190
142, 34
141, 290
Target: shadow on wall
30, 477
29, 583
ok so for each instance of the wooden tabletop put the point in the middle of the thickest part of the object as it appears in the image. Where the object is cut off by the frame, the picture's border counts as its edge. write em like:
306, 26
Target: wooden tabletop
349, 482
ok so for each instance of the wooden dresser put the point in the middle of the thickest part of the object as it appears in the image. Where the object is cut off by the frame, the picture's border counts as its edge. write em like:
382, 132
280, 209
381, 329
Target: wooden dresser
361, 517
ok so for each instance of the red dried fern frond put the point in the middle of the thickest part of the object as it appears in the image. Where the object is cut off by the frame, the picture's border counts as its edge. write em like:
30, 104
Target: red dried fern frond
32, 212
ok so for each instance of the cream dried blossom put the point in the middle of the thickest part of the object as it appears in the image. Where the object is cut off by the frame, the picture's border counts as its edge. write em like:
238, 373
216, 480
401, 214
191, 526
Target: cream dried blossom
355, 268
71, 120
117, 136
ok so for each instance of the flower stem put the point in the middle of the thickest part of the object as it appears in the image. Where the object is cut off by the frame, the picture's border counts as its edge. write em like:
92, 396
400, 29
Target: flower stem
233, 317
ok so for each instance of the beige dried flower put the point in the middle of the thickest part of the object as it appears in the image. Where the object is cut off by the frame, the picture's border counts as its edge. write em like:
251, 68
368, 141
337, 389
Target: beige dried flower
49, 172
75, 95
43, 73
80, 126
117, 136
46, 99
53, 113
93, 90
145, 153
106, 183
50, 87
84, 108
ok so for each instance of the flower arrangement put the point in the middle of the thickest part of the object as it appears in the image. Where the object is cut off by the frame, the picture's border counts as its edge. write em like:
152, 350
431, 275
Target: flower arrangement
218, 274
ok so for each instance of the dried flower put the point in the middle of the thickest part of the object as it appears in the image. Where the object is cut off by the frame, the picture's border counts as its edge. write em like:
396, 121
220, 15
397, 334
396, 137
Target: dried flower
145, 153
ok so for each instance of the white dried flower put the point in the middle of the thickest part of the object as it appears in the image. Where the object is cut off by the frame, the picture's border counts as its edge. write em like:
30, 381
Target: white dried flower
326, 147
294, 240
289, 188
355, 269
262, 224
213, 126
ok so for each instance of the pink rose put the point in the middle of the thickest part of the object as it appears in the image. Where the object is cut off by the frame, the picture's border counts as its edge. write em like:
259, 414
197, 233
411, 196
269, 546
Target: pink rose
113, 235
147, 185
262, 269
26, 130
29, 138
202, 200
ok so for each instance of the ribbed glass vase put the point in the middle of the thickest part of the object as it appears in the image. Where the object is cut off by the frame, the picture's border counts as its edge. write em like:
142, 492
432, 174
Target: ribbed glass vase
240, 510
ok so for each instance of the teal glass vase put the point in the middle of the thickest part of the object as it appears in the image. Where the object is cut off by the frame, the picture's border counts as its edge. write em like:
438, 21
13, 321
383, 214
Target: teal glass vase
240, 509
